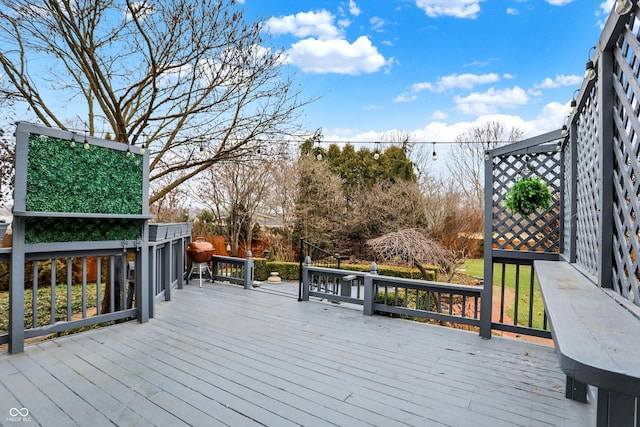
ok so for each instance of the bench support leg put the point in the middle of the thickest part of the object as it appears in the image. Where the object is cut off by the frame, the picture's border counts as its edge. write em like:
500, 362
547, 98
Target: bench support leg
616, 409
576, 390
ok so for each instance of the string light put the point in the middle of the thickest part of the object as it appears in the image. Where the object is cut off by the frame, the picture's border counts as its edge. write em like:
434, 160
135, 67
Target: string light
623, 7
590, 72
86, 143
73, 140
434, 155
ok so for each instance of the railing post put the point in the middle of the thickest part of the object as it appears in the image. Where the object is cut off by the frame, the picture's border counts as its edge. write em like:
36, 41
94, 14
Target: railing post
16, 290
180, 261
305, 280
167, 258
369, 294
153, 278
248, 271
487, 287
300, 259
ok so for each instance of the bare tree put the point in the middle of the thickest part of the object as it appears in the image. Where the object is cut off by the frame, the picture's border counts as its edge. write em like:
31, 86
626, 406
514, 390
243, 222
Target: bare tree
282, 193
414, 247
177, 77
7, 151
466, 158
235, 191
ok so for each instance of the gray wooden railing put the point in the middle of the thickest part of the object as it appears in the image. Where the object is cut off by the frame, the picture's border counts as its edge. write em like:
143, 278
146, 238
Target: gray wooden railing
239, 271
117, 272
386, 295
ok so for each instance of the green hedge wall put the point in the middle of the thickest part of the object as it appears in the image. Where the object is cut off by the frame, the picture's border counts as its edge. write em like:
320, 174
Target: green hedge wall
48, 230
291, 270
62, 178
69, 178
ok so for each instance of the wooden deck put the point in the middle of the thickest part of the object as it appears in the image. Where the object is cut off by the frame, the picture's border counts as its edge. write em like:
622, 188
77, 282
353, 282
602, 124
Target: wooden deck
222, 355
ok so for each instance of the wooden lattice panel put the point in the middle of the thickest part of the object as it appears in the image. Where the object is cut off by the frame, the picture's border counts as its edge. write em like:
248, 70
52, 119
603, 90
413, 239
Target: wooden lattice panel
588, 191
539, 231
626, 169
568, 198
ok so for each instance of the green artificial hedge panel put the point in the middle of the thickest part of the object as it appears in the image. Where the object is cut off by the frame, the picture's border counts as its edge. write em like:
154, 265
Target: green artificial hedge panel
62, 177
49, 230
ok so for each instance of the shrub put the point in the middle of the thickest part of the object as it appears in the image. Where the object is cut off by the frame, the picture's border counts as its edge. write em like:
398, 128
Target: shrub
528, 195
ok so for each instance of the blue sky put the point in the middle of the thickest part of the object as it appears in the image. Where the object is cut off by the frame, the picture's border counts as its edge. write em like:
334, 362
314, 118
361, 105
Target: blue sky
432, 68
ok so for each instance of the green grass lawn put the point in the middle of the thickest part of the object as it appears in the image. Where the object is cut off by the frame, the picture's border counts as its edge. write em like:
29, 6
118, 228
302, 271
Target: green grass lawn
475, 267
44, 305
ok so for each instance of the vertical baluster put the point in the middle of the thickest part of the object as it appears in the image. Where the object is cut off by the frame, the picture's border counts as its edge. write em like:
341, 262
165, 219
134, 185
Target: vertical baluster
502, 285
531, 294
475, 307
464, 306
54, 264
69, 289
34, 296
98, 282
84, 287
517, 296
112, 283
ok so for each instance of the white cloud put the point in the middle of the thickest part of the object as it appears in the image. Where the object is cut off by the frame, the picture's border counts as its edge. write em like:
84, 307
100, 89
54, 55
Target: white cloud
607, 6
512, 11
464, 81
377, 23
405, 97
559, 2
305, 24
453, 81
491, 101
336, 56
560, 80
456, 8
438, 115
353, 8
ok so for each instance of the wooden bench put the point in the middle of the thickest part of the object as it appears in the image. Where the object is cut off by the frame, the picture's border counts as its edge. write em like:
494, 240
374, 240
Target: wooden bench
597, 340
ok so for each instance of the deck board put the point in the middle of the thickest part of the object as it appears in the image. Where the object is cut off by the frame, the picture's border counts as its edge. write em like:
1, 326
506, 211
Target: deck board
222, 355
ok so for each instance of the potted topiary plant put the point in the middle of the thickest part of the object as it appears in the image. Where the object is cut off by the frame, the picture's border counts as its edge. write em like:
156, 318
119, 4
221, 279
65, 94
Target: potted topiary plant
527, 196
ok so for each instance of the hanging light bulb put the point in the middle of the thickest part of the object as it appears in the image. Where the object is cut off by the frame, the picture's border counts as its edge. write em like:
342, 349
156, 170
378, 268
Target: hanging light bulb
319, 156
590, 71
142, 150
486, 155
565, 131
376, 155
623, 7
434, 155
73, 140
86, 143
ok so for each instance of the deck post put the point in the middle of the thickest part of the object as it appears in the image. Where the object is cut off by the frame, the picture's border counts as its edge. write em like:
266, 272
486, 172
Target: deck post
487, 287
305, 279
248, 271
16, 292
368, 290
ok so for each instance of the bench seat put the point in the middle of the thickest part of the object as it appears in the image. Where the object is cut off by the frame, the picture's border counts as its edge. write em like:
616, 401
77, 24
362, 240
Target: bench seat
597, 341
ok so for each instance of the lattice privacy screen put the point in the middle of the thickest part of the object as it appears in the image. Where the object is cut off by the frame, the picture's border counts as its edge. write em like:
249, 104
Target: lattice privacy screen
540, 231
626, 163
